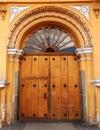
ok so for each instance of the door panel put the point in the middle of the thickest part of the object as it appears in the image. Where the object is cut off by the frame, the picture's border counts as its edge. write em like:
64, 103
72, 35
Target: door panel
35, 87
55, 87
25, 88
43, 85
74, 91
77, 88
64, 87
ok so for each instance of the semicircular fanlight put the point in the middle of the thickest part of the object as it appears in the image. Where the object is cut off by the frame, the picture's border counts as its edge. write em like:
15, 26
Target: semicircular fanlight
49, 39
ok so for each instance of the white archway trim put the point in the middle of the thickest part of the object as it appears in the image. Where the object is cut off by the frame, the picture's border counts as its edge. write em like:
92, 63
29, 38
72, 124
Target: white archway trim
83, 51
51, 12
3, 83
96, 82
15, 52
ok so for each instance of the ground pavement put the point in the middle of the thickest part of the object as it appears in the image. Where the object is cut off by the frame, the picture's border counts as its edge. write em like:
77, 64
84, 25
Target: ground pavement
50, 126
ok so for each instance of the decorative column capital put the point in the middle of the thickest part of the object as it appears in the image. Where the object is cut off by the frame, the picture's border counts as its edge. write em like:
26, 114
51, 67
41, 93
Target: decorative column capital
83, 51
96, 82
3, 83
15, 52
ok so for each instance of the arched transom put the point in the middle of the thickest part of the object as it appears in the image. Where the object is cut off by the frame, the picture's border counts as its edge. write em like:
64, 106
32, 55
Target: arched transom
50, 39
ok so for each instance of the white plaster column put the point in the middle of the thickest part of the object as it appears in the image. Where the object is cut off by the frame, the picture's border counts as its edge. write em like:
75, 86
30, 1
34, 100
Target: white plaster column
96, 83
87, 90
13, 63
3, 85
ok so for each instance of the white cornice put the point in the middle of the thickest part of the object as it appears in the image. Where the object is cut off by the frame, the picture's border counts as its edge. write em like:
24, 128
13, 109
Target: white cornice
3, 83
15, 52
38, 1
96, 82
83, 51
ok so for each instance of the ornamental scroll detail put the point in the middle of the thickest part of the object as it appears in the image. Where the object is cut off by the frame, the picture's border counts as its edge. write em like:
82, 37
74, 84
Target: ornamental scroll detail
83, 10
96, 9
15, 10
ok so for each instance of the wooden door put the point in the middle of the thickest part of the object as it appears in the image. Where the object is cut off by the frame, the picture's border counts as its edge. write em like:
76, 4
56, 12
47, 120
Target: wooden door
64, 87
74, 88
49, 87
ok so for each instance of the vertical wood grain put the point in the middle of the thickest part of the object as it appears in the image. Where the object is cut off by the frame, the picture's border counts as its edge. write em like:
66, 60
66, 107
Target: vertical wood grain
43, 85
55, 87
64, 87
25, 88
35, 86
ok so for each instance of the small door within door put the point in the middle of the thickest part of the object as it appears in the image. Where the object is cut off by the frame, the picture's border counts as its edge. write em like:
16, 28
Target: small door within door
34, 87
49, 87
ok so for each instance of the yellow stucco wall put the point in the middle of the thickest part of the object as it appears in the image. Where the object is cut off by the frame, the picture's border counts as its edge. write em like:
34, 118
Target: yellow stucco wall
92, 68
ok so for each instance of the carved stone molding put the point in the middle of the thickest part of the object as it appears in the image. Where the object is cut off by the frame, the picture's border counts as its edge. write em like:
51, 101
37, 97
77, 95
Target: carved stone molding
96, 9
3, 10
50, 12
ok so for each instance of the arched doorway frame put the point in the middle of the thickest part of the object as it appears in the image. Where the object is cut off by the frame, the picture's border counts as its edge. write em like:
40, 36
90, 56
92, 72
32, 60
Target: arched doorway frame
53, 13
67, 18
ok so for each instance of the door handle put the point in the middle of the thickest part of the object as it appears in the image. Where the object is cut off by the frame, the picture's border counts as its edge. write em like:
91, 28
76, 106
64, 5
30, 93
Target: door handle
45, 96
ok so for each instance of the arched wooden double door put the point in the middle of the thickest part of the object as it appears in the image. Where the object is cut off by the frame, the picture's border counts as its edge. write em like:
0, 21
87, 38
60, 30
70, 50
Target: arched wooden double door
49, 87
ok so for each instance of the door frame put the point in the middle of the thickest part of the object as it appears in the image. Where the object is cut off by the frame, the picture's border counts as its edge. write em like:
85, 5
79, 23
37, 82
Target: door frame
51, 54
14, 57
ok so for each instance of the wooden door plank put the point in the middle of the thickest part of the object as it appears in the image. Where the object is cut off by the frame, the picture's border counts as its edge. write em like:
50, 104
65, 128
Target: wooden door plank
55, 87
74, 88
35, 87
64, 87
43, 85
25, 87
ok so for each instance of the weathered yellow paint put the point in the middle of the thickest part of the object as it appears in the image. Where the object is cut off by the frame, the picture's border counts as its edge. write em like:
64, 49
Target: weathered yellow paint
9, 65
